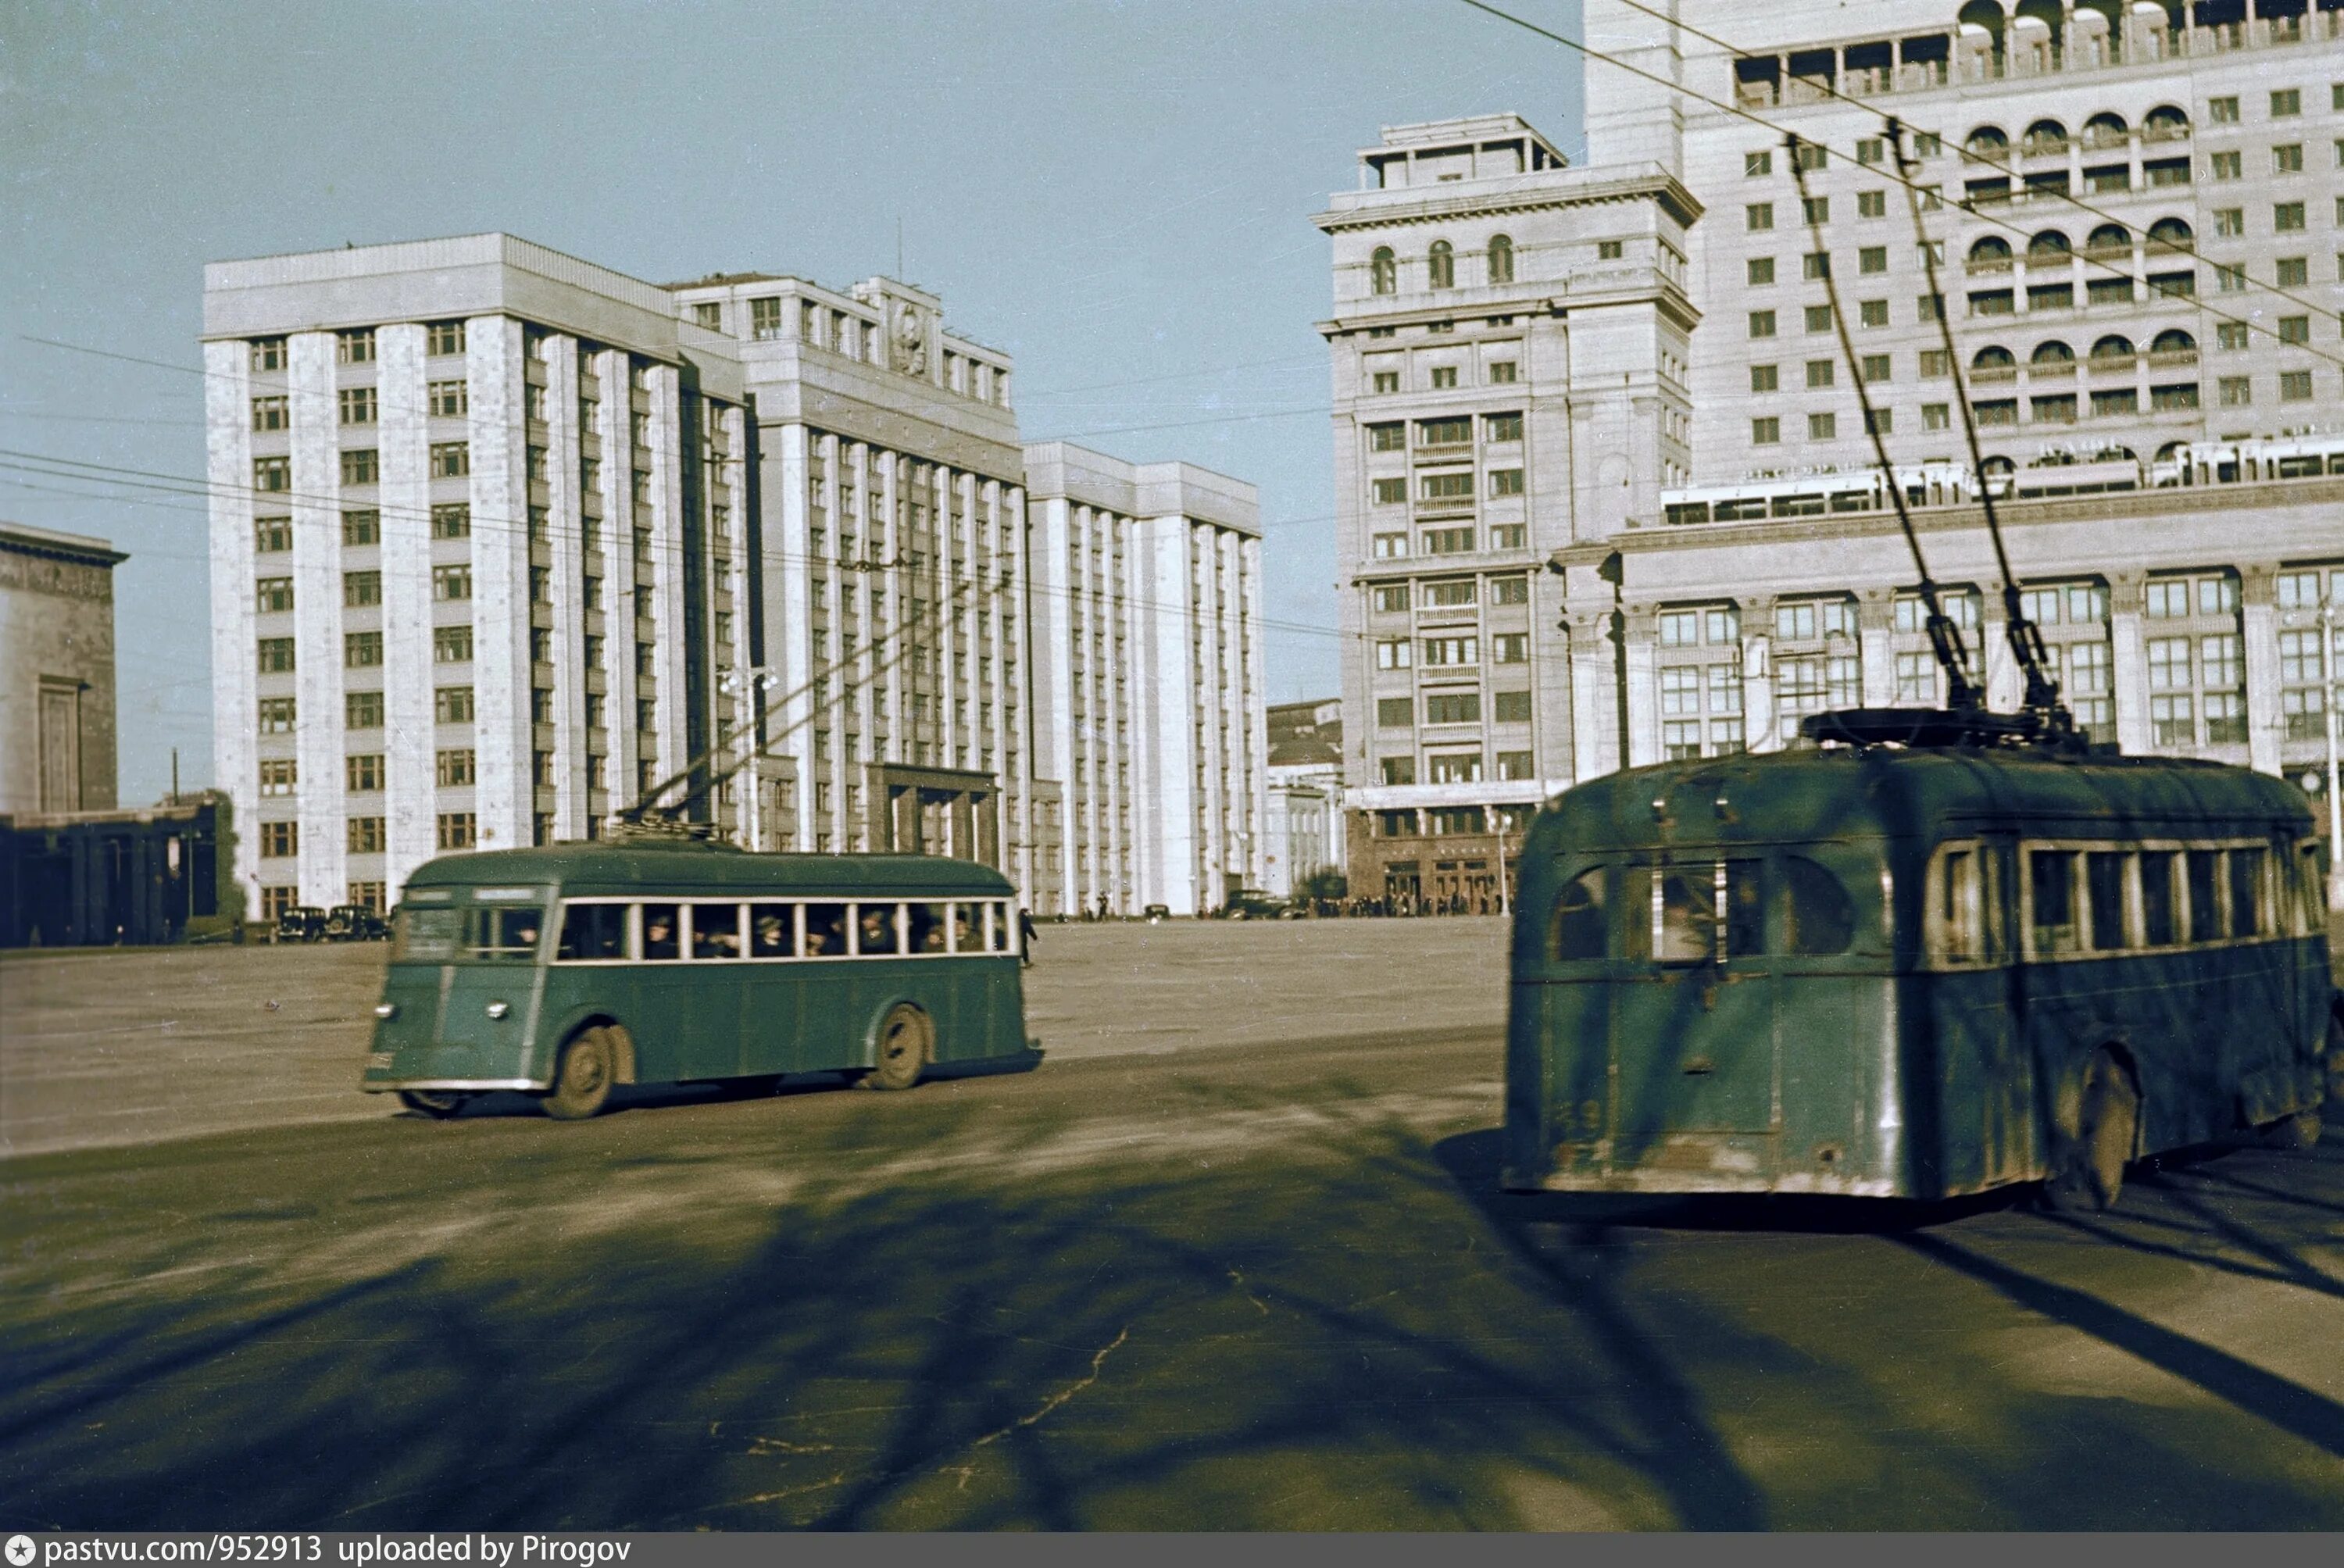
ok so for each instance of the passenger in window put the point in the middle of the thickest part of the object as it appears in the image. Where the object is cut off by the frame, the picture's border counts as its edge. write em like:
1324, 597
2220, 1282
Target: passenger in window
927, 924
825, 930
878, 928
770, 932
715, 931
965, 936
659, 931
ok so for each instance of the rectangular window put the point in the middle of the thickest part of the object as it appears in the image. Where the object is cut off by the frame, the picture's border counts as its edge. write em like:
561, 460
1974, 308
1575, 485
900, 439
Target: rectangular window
276, 715
1761, 323
1819, 373
366, 836
1501, 372
1452, 651
452, 520
2227, 167
2286, 218
267, 354
2223, 111
2295, 386
1871, 204
1883, 421
361, 588
449, 399
355, 347
1394, 713
272, 535
1758, 271
452, 582
1756, 164
1452, 708
1766, 432
1872, 258
1815, 210
442, 339
2246, 878
1458, 767
1816, 265
451, 706
1758, 217
271, 474
1445, 486
451, 644
457, 830
2231, 336
2173, 720
269, 414
1511, 707
357, 405
1387, 438
2293, 271
2295, 329
451, 459
1390, 546
361, 467
361, 650
280, 840
1444, 432
2288, 158
1822, 427
1819, 318
1394, 654
2286, 103
1398, 769
2234, 391
1505, 482
1509, 648
2052, 901
455, 768
1444, 377
278, 775
1388, 492
363, 773
1764, 379
1450, 594
1499, 429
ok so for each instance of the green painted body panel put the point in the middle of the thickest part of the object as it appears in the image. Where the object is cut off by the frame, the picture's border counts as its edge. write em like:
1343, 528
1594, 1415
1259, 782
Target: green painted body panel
1867, 1071
690, 1021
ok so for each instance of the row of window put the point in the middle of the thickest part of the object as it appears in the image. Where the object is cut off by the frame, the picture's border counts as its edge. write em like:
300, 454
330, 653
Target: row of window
1446, 485
1505, 648
2083, 899
712, 931
274, 535
366, 773
1440, 265
1715, 912
1456, 767
1453, 593
356, 346
1451, 539
1442, 378
454, 829
358, 405
1449, 430
2056, 408
1452, 708
450, 583
362, 466
2167, 598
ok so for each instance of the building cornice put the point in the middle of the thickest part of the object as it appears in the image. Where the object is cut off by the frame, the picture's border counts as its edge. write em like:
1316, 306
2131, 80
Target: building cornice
77, 548
1385, 209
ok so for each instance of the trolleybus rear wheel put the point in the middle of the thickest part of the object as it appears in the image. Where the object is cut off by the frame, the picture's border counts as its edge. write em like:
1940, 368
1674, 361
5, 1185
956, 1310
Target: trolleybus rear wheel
2087, 1169
437, 1104
582, 1079
906, 1039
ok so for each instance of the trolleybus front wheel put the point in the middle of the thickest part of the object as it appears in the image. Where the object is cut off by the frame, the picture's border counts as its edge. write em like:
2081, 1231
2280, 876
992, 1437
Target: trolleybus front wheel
906, 1040
2088, 1165
582, 1079
437, 1104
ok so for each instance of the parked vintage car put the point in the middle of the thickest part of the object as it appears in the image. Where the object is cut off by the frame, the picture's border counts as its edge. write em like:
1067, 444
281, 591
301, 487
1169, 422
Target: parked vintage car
1156, 914
1252, 904
355, 923
301, 923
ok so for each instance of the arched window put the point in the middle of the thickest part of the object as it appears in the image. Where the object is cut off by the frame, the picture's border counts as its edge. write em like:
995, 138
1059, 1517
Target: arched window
2114, 346
2049, 245
1443, 265
2106, 130
2172, 234
2051, 352
2108, 237
1383, 271
2173, 340
2046, 137
2165, 123
1992, 359
1986, 142
1991, 254
1501, 259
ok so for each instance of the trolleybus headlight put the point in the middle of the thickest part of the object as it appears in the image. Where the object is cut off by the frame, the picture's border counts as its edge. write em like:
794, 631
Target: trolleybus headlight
386, 1009
499, 1009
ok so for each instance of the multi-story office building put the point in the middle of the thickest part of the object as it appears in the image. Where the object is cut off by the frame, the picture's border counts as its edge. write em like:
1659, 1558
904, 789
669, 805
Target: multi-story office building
504, 541
2136, 215
1147, 700
1509, 343
1306, 832
475, 575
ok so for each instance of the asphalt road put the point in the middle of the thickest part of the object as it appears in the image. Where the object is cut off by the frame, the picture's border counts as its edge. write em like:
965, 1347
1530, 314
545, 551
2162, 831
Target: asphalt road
1231, 1258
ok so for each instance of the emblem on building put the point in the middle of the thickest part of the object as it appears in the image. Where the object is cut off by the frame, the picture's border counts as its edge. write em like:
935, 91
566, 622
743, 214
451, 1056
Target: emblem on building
910, 347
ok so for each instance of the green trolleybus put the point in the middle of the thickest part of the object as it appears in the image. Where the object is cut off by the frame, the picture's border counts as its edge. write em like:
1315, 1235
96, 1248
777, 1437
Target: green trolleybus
564, 971
1912, 972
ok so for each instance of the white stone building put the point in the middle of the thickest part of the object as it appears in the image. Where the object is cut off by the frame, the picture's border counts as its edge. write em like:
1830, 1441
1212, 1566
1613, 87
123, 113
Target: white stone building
2139, 213
56, 671
1148, 684
502, 539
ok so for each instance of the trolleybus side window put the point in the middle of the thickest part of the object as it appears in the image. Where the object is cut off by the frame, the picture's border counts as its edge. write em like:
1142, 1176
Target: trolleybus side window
2205, 896
825, 930
2311, 889
2050, 874
715, 931
2104, 888
926, 924
772, 930
662, 935
1743, 891
2159, 924
996, 927
593, 931
879, 929
2246, 892
1581, 927
1818, 916
507, 933
968, 928
1959, 906
425, 934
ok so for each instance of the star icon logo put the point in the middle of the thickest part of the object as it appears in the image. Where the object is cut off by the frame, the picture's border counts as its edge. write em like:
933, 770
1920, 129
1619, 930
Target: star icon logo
20, 1551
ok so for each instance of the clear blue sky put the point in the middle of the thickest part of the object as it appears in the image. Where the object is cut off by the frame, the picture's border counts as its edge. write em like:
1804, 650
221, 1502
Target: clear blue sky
1114, 193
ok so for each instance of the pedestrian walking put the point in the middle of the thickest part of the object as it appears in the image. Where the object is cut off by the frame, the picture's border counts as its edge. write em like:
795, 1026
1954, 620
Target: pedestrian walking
1025, 938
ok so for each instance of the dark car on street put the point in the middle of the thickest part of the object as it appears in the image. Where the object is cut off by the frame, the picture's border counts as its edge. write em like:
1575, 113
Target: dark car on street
355, 923
1252, 904
301, 923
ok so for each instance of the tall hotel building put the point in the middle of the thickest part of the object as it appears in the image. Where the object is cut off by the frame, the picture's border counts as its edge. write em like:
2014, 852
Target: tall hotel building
2137, 215
502, 539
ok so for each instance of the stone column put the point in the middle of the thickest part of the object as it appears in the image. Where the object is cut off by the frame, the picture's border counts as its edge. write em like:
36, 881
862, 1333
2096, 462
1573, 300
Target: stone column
2129, 660
1594, 700
2006, 688
2266, 728
1643, 685
1758, 677
1876, 646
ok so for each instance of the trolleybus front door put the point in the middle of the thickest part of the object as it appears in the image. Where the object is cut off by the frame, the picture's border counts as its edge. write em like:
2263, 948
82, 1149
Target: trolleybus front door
1692, 1037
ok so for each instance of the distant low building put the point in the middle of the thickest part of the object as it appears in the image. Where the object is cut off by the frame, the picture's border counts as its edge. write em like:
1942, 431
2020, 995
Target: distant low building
143, 876
1306, 795
56, 671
